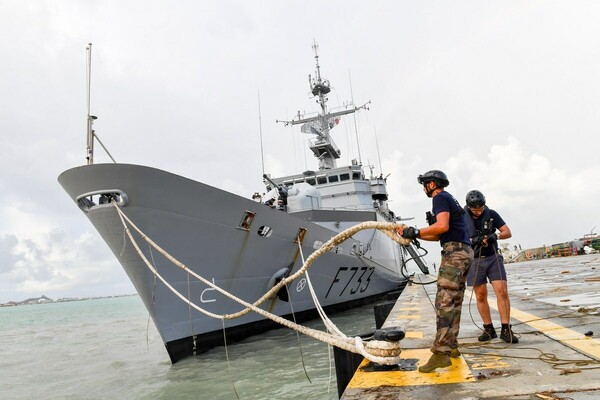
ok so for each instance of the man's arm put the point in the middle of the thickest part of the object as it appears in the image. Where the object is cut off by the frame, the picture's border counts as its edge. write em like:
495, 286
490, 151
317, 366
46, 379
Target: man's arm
432, 232
505, 232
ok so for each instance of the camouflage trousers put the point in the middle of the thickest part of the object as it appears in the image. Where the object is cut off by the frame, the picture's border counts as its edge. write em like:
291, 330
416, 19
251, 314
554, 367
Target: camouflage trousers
456, 260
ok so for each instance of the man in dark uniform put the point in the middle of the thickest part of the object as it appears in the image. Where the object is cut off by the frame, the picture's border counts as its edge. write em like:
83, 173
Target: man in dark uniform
449, 227
488, 264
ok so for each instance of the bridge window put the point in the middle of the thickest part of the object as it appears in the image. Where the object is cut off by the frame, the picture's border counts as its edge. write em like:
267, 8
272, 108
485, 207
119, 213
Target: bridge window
333, 178
321, 180
344, 177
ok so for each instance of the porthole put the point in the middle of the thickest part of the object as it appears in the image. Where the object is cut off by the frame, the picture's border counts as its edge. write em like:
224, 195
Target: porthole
357, 248
265, 231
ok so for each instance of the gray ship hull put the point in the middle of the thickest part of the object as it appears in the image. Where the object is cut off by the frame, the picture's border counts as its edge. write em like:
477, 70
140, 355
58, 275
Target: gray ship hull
202, 227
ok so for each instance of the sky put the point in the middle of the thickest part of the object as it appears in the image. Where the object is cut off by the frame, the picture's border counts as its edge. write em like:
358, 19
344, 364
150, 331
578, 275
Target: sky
503, 96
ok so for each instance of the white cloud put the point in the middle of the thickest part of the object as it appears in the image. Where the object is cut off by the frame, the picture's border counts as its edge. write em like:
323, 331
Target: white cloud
57, 265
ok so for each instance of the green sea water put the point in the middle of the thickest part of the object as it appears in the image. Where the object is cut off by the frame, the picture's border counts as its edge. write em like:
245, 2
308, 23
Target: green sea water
107, 349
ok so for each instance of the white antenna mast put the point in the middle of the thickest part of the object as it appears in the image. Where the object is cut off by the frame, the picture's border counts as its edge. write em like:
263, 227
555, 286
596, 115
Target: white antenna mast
91, 134
323, 146
354, 116
378, 154
90, 118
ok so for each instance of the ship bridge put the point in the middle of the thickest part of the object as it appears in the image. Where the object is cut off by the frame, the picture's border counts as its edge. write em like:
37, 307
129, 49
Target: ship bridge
343, 188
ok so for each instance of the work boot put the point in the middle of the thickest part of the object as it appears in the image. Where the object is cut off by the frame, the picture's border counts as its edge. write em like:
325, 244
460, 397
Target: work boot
437, 360
454, 353
488, 334
508, 335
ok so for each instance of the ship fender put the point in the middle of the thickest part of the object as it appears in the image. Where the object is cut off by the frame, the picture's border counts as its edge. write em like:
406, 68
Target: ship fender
280, 275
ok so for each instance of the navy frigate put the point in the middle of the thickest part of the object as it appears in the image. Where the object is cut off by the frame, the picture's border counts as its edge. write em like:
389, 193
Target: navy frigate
245, 245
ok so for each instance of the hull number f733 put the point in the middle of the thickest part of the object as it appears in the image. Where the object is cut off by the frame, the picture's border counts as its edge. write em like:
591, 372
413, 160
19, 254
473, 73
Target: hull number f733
353, 279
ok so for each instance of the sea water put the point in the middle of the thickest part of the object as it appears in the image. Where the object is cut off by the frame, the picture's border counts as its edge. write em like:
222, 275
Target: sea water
109, 349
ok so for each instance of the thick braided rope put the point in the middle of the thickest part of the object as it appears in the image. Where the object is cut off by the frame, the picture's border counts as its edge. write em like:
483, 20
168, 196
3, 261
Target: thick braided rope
388, 355
385, 227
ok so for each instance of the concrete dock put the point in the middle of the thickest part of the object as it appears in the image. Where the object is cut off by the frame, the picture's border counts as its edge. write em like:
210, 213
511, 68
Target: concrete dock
555, 313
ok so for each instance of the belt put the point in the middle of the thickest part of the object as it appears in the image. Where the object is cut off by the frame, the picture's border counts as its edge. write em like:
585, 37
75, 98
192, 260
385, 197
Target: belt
491, 255
458, 244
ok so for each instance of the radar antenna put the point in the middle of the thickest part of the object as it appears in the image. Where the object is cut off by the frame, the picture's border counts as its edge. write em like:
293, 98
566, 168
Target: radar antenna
323, 146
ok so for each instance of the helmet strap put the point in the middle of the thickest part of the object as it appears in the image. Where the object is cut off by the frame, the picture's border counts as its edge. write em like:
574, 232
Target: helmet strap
429, 192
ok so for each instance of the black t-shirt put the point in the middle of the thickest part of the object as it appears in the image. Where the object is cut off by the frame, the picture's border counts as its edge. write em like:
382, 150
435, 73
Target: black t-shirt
495, 222
457, 232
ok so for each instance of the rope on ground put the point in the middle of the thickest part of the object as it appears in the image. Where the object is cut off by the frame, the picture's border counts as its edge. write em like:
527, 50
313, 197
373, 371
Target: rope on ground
561, 364
380, 352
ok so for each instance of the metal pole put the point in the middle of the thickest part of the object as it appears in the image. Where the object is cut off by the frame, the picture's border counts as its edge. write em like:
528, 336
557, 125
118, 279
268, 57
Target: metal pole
90, 118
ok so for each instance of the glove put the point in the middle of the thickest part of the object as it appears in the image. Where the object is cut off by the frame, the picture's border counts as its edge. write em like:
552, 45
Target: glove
477, 240
410, 233
492, 238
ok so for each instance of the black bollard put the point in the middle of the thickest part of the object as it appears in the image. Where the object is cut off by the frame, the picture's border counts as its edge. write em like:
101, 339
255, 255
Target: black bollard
382, 310
346, 364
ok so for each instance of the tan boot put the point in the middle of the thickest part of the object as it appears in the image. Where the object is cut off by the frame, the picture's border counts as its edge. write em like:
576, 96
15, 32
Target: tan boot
437, 360
455, 353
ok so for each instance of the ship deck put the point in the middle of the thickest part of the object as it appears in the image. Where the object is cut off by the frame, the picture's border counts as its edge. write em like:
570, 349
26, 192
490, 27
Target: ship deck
555, 302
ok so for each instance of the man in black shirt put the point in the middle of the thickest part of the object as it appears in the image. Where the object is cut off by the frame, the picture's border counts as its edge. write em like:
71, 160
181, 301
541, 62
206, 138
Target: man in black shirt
448, 226
488, 264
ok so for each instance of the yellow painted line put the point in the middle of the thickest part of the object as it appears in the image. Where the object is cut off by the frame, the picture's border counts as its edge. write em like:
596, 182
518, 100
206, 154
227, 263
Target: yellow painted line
485, 361
407, 309
408, 317
568, 337
413, 335
458, 372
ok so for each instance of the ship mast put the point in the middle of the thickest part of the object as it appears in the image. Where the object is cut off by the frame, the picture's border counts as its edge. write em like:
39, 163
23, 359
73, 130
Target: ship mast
90, 118
91, 133
323, 147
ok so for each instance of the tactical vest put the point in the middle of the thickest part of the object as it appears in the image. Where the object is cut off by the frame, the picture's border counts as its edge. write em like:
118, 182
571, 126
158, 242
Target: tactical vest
487, 223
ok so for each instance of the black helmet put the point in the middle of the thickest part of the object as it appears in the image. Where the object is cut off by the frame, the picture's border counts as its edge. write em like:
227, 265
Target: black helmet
440, 178
475, 199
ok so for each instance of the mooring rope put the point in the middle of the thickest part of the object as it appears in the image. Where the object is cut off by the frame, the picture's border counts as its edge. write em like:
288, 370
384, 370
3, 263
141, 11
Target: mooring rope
380, 352
331, 327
